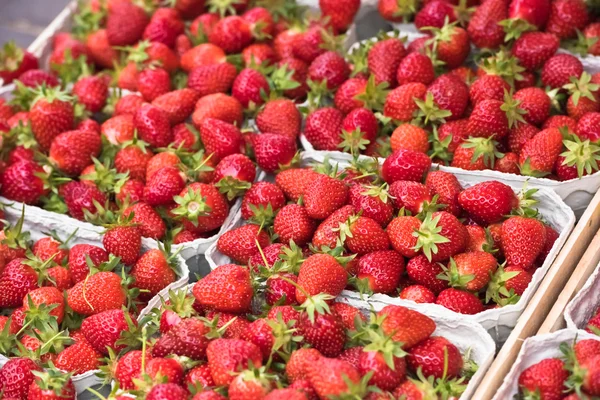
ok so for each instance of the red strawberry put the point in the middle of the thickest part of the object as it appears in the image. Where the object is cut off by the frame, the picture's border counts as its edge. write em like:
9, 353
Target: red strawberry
98, 292
548, 378
447, 188
242, 243
92, 92
17, 376
293, 223
436, 357
363, 235
17, 279
218, 106
294, 182
153, 272
488, 202
406, 326
418, 294
14, 62
400, 103
281, 117
20, 182
227, 288
297, 366
274, 152
249, 88
533, 49
201, 208
327, 232
51, 114
460, 301
329, 67
522, 241
434, 14
49, 296
220, 138
226, 357
405, 165
384, 59
488, 87
519, 135
425, 272
559, 69
210, 79
232, 34
566, 17
124, 242
415, 68
324, 127
78, 256
484, 28
234, 174
178, 104
320, 273
102, 330
324, 196
341, 13
451, 94
373, 202
382, 270
153, 126
72, 151
471, 271
52, 385
125, 24
332, 377
187, 338
262, 194
539, 153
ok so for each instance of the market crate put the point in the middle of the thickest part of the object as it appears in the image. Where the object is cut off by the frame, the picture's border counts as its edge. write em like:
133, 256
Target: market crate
545, 313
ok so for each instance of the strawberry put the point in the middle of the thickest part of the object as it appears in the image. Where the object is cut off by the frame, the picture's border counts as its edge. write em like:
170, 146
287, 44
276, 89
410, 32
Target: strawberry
405, 165
234, 174
49, 296
410, 137
412, 389
323, 128
285, 394
433, 14
447, 188
249, 385
475, 154
164, 29
415, 68
484, 28
384, 59
400, 103
98, 292
166, 391
330, 68
203, 54
400, 232
220, 138
294, 182
148, 220
15, 61
78, 256
17, 375
280, 291
488, 87
539, 153
453, 45
418, 294
488, 119
226, 357
227, 288
412, 196
153, 82
341, 13
406, 326
210, 79
71, 151
587, 127
242, 243
199, 374
533, 49
101, 52
187, 338
152, 272
324, 196
293, 223
78, 358
249, 88
218, 106
332, 377
133, 159
52, 385
153, 126
118, 129
488, 202
259, 53
201, 208
280, 117
373, 202
104, 329
508, 164
178, 104
274, 152
123, 241
566, 17
363, 235
327, 233
320, 273
547, 378
232, 34
519, 135
559, 69
261, 21
259, 197
51, 114
125, 24
436, 357
426, 273
382, 271
16, 280
393, 11
128, 104
470, 271
20, 182
388, 369
522, 241
459, 301
300, 359
92, 92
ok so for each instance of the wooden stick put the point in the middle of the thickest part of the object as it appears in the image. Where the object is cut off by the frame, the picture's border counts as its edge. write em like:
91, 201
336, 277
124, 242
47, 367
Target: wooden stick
542, 301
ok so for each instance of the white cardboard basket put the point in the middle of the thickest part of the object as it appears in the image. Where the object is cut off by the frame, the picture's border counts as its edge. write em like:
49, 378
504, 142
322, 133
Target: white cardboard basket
585, 303
498, 322
462, 333
534, 350
36, 224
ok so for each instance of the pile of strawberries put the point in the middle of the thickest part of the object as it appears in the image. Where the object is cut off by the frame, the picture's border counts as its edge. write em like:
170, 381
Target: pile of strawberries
139, 119
385, 231
493, 24
57, 297
212, 342
570, 377
520, 108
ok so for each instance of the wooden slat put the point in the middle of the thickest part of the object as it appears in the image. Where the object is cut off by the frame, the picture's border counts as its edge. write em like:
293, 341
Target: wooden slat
543, 300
